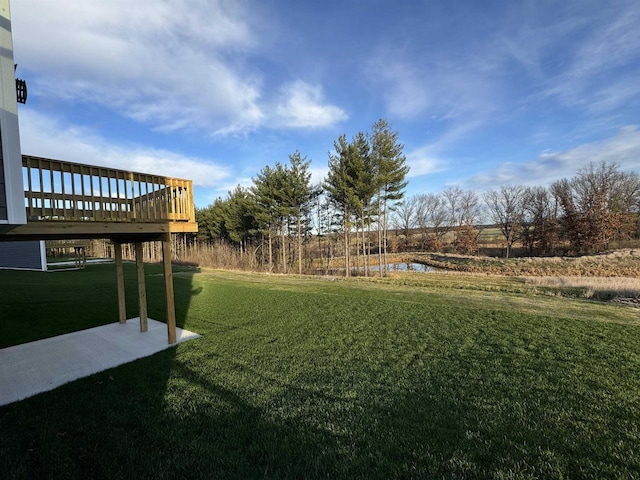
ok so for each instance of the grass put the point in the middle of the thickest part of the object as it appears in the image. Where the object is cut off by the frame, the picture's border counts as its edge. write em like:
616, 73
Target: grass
324, 378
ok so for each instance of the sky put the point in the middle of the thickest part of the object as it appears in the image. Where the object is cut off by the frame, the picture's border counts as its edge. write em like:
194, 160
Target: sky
482, 93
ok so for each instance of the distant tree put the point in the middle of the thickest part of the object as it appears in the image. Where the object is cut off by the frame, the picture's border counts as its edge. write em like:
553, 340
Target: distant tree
210, 220
437, 213
470, 209
323, 224
506, 210
240, 217
432, 219
267, 192
452, 198
627, 195
405, 216
363, 175
593, 209
464, 217
626, 201
422, 221
540, 225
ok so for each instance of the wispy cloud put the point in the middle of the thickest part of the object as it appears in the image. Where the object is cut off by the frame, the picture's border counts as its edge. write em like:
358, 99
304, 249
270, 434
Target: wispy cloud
524, 61
439, 88
406, 91
422, 161
44, 136
609, 49
623, 149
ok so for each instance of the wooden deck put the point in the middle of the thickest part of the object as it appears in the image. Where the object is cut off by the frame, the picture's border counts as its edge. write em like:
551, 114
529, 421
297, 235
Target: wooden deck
65, 200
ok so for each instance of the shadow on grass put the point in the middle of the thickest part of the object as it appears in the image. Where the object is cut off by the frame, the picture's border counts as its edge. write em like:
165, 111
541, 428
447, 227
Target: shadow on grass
120, 425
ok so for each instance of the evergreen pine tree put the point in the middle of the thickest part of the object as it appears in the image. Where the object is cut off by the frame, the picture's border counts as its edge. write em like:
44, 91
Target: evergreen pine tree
390, 173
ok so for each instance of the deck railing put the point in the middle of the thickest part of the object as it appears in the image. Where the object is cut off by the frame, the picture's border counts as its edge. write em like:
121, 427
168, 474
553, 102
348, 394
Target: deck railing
56, 190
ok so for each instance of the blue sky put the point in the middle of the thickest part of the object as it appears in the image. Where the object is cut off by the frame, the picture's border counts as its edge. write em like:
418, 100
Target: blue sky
482, 93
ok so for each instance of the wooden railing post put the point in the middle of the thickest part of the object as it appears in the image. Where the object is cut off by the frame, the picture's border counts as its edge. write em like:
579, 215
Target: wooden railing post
142, 291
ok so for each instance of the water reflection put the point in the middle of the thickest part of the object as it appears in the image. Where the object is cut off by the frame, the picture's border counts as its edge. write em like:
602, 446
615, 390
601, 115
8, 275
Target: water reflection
405, 267
391, 267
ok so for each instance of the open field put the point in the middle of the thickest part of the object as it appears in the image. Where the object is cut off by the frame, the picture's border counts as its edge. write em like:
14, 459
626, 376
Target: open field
438, 376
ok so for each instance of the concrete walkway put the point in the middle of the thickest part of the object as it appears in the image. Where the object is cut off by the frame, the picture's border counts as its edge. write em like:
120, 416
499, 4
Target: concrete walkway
46, 364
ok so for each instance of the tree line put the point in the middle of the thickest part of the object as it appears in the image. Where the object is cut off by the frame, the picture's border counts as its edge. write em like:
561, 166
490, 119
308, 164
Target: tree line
579, 215
282, 222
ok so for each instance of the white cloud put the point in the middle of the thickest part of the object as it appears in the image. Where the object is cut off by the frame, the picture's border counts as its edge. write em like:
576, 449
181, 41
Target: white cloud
223, 190
44, 136
170, 64
623, 149
302, 106
318, 174
422, 162
173, 64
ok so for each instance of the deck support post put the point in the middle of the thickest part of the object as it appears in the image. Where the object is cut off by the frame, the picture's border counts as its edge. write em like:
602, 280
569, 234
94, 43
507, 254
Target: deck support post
122, 308
168, 289
142, 291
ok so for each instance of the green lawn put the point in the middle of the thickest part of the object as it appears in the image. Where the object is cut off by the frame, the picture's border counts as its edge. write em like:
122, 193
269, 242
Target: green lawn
298, 377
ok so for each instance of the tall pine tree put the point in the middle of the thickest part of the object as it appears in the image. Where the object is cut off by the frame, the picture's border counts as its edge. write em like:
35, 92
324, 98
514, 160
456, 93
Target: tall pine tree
300, 193
341, 189
390, 172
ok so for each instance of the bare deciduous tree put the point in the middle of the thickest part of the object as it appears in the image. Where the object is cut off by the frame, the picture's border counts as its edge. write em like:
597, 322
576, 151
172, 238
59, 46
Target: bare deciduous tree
404, 217
506, 209
432, 218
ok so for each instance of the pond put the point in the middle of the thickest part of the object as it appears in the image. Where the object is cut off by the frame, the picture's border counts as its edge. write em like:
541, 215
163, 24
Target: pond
391, 267
405, 267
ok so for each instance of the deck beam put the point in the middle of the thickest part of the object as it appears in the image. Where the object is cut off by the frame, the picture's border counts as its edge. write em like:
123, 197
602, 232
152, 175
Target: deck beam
168, 289
122, 306
142, 291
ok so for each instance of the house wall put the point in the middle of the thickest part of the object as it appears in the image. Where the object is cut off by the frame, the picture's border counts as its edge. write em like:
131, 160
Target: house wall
23, 255
12, 211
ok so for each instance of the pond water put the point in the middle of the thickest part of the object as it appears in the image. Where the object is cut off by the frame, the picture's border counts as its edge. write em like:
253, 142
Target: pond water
391, 267
405, 267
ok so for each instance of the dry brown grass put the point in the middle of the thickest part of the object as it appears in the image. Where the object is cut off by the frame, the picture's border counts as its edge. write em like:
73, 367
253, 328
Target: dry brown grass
217, 256
621, 263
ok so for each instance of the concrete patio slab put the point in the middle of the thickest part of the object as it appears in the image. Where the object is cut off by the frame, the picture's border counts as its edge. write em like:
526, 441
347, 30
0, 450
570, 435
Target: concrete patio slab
35, 367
